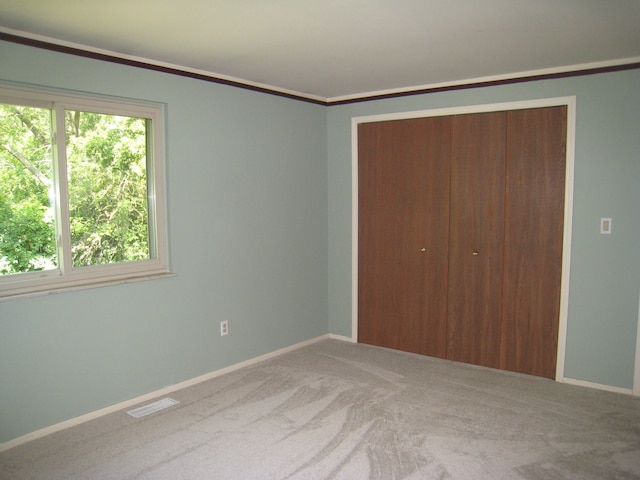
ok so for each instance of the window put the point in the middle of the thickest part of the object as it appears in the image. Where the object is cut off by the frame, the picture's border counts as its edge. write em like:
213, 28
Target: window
81, 191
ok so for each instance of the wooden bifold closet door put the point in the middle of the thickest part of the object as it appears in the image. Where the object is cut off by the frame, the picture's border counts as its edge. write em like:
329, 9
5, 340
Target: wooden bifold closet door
404, 199
460, 236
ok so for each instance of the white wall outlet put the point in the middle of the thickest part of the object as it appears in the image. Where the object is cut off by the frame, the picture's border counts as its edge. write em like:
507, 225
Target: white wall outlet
224, 328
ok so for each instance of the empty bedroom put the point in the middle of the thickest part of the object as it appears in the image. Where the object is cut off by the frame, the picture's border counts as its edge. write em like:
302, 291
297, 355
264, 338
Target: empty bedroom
320, 240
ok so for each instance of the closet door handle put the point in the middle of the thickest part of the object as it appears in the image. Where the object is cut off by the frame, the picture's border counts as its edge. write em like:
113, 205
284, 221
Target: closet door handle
423, 249
475, 253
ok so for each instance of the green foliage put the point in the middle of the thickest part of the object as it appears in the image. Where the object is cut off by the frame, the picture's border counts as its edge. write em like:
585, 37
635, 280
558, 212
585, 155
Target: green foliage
27, 228
106, 157
27, 240
107, 189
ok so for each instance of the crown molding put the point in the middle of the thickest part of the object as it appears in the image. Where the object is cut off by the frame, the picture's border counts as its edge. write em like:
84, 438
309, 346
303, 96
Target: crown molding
52, 44
504, 79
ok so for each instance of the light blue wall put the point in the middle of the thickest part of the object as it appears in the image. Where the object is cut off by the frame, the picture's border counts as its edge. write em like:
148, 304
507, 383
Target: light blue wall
259, 200
605, 270
247, 189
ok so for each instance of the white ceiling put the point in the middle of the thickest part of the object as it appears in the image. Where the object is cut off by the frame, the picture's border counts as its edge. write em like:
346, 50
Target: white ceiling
337, 49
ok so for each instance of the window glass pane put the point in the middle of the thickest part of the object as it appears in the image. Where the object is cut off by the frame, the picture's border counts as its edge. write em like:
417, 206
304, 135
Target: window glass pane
27, 223
107, 176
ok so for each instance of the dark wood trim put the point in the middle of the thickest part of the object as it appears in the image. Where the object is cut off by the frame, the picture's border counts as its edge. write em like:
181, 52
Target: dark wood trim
366, 98
149, 66
492, 83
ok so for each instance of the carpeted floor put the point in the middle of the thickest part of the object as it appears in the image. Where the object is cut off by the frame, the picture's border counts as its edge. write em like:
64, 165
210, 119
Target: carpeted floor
335, 410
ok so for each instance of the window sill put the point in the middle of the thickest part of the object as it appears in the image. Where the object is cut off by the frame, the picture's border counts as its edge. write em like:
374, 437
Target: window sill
54, 290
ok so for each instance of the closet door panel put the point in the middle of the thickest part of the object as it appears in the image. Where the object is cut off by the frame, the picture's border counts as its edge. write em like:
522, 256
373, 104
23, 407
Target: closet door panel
476, 238
435, 150
403, 183
534, 218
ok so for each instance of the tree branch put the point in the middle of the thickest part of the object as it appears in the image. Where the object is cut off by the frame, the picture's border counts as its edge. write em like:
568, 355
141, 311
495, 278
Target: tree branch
32, 168
30, 125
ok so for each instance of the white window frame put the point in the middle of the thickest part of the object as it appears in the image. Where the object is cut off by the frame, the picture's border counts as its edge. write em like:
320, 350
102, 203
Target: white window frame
67, 277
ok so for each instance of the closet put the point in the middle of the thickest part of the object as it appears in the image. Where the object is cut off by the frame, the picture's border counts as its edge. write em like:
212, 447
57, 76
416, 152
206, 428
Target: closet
460, 224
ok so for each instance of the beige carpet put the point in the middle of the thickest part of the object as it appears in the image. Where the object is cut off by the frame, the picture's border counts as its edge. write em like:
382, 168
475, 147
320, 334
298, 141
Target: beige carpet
334, 410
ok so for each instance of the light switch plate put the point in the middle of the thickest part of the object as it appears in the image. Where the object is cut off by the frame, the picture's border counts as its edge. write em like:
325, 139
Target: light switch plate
605, 226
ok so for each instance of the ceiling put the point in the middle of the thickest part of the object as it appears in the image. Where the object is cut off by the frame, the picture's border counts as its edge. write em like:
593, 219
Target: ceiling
337, 49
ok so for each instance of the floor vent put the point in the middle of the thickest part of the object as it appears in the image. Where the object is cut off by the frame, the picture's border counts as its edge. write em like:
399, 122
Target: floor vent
152, 407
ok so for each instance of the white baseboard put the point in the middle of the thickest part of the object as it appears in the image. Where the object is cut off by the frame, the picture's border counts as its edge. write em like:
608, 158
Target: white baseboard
72, 422
208, 376
597, 386
342, 338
